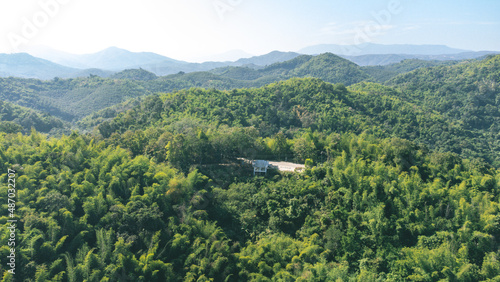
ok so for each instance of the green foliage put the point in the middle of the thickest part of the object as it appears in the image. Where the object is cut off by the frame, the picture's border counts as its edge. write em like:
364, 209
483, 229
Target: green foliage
467, 92
287, 109
162, 190
69, 99
73, 99
384, 73
135, 74
375, 209
15, 118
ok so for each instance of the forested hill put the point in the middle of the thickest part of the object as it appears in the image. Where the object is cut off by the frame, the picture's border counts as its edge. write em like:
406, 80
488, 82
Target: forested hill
395, 187
14, 118
297, 104
468, 92
384, 73
328, 67
72, 99
69, 99
453, 108
167, 204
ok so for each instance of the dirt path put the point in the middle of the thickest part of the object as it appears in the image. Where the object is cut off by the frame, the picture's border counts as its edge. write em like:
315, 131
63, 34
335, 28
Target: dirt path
281, 166
286, 166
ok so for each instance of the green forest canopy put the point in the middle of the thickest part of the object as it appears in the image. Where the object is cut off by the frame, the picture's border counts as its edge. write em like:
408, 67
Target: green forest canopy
374, 209
396, 187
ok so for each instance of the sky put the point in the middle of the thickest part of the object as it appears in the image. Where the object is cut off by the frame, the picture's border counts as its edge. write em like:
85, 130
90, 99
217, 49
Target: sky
196, 29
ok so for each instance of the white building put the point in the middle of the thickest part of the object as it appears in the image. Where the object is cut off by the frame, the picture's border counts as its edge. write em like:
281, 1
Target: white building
260, 166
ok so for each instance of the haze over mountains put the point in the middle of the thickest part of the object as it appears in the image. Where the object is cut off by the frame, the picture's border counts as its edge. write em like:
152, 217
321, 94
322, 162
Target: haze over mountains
371, 48
46, 63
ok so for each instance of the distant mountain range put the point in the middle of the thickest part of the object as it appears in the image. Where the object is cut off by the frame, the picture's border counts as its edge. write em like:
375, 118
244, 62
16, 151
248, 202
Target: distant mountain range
112, 58
371, 48
51, 63
387, 59
25, 65
229, 56
48, 63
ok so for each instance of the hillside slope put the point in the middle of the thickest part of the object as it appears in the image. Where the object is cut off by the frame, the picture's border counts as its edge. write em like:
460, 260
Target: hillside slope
14, 118
468, 92
72, 99
297, 104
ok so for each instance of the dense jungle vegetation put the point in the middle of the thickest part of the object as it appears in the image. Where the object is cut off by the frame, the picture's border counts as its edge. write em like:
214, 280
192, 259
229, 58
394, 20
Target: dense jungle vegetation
402, 180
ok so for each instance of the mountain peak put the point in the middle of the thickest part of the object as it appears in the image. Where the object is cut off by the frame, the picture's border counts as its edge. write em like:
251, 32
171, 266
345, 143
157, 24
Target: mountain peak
25, 65
114, 48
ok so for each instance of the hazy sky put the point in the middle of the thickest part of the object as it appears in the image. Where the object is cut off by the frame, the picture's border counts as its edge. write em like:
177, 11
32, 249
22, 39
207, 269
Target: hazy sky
190, 29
